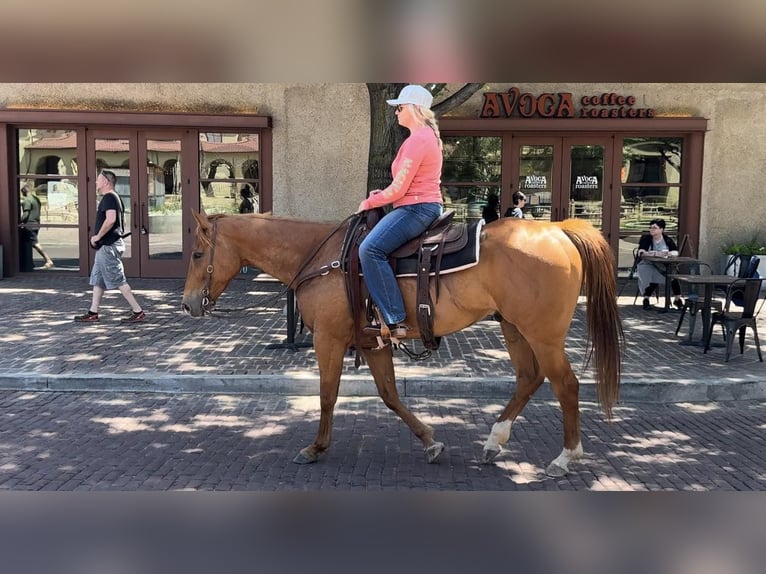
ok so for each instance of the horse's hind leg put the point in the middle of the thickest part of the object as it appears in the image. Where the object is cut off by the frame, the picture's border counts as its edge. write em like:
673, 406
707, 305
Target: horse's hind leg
566, 387
382, 368
528, 380
330, 353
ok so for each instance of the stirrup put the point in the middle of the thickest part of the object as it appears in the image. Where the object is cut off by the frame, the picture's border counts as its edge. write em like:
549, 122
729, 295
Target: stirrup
398, 332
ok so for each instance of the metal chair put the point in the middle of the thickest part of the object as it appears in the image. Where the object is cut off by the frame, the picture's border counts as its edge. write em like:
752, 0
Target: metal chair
735, 264
732, 322
694, 295
686, 243
750, 273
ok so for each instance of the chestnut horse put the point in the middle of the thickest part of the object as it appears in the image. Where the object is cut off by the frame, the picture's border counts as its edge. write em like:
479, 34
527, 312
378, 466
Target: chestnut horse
530, 272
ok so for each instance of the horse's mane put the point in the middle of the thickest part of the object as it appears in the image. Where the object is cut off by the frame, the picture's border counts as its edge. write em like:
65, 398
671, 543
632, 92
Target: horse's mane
269, 216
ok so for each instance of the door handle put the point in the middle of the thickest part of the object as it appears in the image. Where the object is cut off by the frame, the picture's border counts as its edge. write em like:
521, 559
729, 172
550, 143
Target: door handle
144, 231
133, 215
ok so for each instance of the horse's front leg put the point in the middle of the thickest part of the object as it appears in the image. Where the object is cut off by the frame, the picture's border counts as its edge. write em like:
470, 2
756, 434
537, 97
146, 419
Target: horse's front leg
382, 368
329, 352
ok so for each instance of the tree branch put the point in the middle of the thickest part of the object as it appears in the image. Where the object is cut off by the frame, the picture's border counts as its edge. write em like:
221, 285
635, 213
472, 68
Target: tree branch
456, 99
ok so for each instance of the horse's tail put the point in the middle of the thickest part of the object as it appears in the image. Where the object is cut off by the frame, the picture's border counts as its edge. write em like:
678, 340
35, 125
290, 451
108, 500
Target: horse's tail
605, 336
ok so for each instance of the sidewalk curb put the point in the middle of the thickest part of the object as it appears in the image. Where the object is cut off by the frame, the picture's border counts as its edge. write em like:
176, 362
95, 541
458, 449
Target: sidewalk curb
655, 391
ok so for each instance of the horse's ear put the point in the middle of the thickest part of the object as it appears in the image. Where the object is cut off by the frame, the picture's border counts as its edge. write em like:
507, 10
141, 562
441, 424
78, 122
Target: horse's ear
202, 220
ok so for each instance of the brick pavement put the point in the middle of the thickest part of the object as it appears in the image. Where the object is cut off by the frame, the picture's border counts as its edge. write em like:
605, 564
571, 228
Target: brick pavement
75, 441
41, 348
257, 406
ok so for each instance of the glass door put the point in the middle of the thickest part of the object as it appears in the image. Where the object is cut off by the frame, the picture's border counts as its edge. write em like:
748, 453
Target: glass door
565, 177
562, 177
158, 228
148, 169
536, 172
587, 179
115, 150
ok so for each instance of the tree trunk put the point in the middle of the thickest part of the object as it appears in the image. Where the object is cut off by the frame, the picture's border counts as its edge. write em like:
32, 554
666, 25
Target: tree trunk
386, 135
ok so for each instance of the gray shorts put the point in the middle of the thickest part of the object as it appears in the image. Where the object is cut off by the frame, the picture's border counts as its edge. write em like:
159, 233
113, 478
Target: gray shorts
108, 272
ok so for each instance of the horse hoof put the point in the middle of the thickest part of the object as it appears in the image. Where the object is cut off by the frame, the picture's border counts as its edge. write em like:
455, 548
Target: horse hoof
489, 455
433, 451
556, 471
304, 457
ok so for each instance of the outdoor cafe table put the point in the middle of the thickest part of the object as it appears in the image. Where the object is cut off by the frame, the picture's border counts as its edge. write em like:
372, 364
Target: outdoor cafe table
667, 266
710, 282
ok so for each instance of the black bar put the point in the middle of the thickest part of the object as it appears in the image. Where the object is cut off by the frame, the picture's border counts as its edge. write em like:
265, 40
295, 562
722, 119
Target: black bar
292, 326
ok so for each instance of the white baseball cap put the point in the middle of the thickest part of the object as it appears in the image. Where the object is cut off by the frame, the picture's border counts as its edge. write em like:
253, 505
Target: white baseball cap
413, 94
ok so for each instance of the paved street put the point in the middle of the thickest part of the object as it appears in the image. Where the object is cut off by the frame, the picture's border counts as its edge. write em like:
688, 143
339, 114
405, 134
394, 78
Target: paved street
161, 442
182, 404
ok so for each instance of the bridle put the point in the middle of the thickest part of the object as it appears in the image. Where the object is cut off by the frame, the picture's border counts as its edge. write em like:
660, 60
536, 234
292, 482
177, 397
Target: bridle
208, 304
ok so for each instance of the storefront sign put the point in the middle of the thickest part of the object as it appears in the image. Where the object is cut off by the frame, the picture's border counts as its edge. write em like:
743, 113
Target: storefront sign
534, 182
514, 103
586, 182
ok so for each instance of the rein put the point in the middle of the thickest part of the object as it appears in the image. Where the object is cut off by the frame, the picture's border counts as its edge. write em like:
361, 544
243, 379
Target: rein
297, 280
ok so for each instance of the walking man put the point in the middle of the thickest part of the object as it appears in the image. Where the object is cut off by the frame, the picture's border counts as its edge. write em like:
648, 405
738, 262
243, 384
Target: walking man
30, 213
108, 272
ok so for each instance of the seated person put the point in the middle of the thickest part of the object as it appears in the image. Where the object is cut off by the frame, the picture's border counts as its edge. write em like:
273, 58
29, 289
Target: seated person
649, 276
519, 201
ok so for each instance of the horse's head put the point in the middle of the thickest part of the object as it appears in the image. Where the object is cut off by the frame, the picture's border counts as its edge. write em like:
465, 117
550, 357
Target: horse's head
214, 262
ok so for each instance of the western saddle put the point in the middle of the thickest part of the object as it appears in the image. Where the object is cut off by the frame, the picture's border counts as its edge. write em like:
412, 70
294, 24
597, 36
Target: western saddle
442, 237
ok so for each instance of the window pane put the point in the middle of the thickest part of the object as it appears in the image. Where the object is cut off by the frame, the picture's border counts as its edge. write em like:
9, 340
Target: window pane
49, 153
229, 173
163, 179
536, 179
58, 202
48, 166
229, 156
60, 244
468, 201
113, 154
647, 161
586, 183
472, 159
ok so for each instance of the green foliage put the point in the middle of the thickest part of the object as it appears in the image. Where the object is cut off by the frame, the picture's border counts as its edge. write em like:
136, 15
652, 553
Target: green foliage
753, 246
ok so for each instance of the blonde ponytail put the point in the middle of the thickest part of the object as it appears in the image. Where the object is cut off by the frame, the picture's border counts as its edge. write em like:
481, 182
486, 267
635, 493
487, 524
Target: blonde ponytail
429, 119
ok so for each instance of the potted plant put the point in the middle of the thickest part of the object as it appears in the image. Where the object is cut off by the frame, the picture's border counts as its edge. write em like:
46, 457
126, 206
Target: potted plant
738, 255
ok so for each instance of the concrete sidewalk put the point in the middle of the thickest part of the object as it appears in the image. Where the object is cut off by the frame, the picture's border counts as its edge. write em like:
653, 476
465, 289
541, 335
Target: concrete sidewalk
42, 348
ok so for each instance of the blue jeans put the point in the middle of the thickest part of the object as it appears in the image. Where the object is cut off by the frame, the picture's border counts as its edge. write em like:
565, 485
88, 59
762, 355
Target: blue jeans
391, 232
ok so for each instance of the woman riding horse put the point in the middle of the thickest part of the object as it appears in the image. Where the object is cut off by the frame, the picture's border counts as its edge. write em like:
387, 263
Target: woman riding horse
530, 272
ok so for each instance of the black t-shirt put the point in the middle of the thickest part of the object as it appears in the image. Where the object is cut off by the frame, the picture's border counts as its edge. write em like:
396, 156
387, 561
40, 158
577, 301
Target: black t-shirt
110, 200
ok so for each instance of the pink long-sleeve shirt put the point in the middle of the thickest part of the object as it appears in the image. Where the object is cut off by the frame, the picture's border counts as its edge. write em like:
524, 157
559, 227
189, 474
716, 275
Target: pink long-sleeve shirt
416, 170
